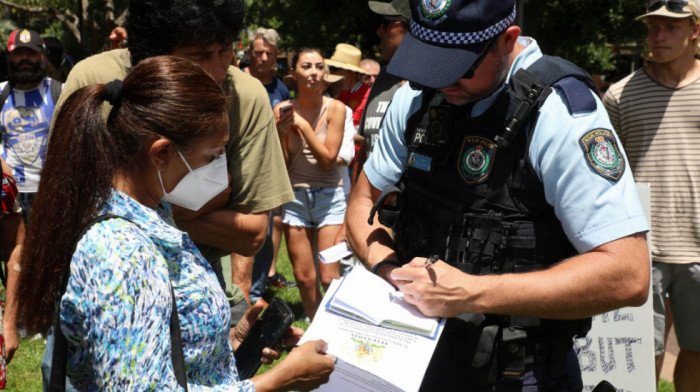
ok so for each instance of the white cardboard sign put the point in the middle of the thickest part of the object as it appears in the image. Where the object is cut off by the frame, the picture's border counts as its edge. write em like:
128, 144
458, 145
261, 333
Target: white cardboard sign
620, 346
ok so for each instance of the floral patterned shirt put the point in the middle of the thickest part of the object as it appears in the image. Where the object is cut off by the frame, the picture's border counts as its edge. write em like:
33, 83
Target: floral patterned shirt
116, 310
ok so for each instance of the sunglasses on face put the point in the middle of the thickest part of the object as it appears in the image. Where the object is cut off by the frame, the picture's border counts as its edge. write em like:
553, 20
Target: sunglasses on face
470, 72
671, 5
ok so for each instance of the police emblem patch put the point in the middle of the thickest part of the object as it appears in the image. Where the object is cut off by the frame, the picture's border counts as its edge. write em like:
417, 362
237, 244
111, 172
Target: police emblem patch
602, 153
476, 159
434, 9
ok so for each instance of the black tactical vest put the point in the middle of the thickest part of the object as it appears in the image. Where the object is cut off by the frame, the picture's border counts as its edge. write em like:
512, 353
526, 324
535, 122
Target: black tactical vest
469, 193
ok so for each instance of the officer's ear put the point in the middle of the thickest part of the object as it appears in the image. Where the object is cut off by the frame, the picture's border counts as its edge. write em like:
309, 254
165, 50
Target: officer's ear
507, 40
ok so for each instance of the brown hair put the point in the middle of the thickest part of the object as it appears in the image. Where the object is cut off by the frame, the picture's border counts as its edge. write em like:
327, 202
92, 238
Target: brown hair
161, 97
295, 58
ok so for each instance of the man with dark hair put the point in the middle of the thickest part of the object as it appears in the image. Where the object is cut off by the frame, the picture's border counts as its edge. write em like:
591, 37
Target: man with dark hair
204, 31
515, 216
25, 115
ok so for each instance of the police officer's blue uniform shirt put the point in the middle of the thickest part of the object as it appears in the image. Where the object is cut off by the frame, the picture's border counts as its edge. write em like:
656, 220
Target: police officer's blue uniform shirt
593, 209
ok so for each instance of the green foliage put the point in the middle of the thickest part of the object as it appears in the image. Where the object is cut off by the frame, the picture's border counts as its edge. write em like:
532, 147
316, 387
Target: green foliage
317, 23
83, 32
587, 32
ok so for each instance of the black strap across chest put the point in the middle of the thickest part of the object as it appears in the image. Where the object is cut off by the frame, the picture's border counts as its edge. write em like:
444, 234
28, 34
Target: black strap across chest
59, 360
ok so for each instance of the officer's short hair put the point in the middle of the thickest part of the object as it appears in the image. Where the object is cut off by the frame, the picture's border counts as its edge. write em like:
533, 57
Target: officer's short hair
157, 27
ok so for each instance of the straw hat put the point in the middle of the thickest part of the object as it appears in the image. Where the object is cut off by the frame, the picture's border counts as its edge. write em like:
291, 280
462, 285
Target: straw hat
346, 57
334, 83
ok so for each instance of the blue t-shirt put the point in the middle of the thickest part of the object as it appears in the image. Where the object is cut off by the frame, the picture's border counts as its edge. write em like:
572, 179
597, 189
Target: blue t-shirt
592, 209
24, 122
277, 91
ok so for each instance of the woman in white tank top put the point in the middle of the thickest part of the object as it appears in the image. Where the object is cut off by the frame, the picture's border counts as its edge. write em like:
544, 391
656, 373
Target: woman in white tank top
311, 129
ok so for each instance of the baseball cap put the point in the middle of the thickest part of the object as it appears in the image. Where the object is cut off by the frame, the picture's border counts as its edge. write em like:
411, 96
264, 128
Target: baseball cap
396, 7
25, 38
671, 9
446, 38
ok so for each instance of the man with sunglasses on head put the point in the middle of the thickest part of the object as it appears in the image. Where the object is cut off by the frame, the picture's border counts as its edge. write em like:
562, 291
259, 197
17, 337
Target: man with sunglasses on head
503, 166
654, 110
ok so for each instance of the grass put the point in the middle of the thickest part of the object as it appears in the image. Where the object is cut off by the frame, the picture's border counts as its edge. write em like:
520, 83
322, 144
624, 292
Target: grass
24, 373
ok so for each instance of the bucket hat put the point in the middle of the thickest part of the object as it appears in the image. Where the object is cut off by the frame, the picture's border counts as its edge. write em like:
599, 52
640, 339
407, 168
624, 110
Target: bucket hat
347, 57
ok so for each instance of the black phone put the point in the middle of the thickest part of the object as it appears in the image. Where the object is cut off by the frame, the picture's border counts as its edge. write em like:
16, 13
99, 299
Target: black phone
266, 332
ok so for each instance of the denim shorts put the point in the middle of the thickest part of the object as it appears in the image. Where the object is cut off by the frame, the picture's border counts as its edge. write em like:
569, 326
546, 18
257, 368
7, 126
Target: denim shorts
315, 207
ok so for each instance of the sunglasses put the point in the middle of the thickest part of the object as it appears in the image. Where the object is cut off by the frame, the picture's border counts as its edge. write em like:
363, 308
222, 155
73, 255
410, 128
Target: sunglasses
671, 5
470, 72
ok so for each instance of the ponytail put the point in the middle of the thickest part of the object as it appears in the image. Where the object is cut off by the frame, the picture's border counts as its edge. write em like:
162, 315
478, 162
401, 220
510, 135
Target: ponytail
75, 183
161, 97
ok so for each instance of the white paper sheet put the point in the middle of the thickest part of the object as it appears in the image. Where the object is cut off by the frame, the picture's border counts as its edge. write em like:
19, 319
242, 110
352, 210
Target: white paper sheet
370, 358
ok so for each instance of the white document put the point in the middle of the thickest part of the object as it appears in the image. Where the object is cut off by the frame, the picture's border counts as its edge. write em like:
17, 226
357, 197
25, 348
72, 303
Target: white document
371, 357
369, 298
335, 253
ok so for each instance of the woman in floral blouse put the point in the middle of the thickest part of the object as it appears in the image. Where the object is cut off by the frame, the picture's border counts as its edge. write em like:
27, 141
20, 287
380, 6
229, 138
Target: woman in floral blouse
164, 140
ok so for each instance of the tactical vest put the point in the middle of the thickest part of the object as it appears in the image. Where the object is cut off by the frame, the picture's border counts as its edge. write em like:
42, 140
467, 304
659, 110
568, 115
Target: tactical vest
469, 193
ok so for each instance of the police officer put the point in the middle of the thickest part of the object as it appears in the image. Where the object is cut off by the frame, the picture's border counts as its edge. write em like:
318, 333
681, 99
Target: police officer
507, 205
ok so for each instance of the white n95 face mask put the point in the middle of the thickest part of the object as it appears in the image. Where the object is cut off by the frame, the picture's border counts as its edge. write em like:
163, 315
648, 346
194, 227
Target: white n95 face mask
198, 186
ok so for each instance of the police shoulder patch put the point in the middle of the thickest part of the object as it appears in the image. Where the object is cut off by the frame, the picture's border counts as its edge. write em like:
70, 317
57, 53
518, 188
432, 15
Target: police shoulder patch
602, 153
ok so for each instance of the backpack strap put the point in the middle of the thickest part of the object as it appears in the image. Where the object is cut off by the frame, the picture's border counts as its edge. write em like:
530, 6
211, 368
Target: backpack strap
56, 87
60, 353
5, 94
177, 354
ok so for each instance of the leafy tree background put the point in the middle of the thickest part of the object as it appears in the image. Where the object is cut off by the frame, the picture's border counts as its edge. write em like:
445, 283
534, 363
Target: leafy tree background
317, 23
588, 32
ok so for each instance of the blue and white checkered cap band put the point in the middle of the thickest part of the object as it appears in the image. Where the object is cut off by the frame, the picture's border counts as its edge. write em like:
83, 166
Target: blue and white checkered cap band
460, 39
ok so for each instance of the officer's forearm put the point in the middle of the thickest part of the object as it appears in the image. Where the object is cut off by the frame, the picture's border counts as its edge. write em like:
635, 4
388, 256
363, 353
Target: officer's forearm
612, 276
229, 230
371, 243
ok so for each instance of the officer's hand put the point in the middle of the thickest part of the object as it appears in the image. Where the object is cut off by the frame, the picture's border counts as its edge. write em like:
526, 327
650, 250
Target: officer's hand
437, 290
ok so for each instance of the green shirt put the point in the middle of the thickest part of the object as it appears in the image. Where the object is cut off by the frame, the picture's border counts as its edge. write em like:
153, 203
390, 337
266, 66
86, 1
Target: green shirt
254, 153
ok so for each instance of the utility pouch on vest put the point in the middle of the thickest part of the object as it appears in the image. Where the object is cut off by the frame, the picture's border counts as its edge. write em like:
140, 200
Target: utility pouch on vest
512, 353
475, 350
484, 362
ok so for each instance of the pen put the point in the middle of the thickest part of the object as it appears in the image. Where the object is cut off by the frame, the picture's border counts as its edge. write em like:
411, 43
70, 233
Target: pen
431, 260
